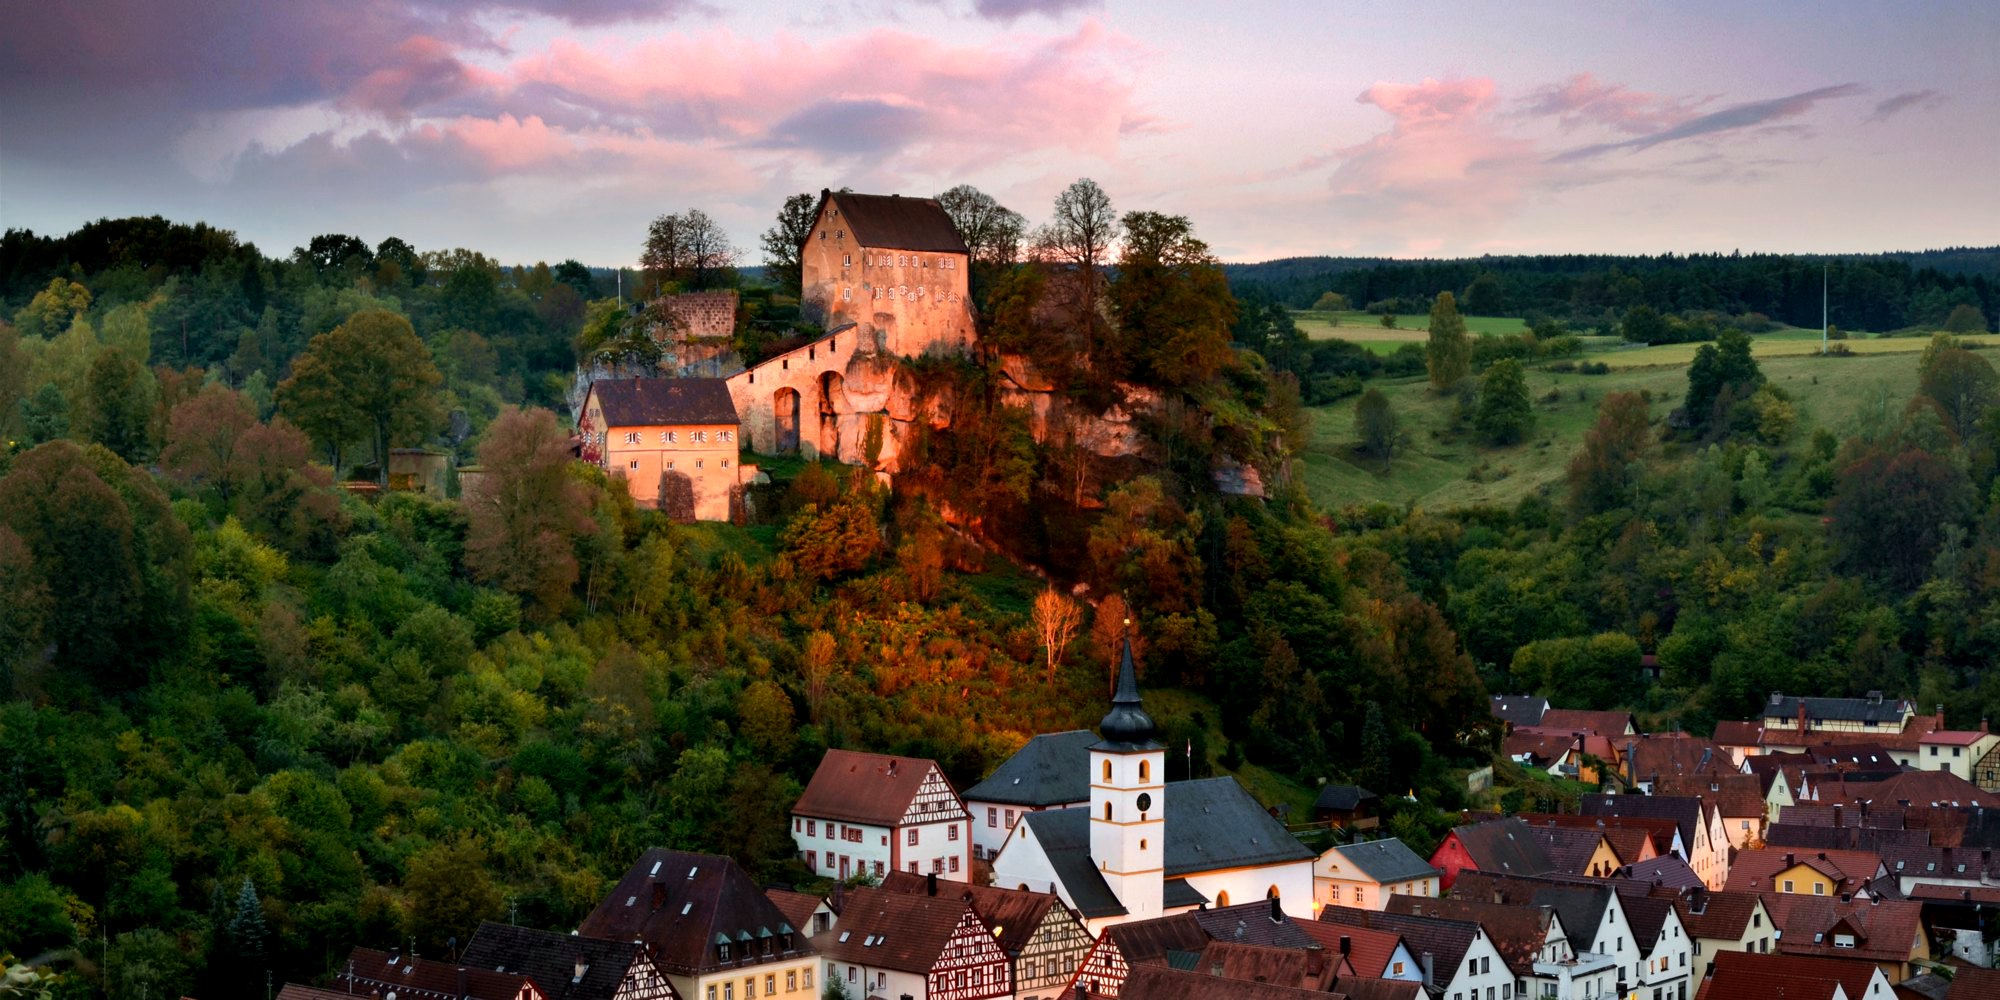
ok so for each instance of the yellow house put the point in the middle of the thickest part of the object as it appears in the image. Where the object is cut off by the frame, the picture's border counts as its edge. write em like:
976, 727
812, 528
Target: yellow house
672, 439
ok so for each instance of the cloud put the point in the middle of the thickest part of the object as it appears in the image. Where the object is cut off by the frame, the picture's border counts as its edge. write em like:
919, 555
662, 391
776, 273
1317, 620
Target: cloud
1740, 116
1583, 100
864, 127
1443, 163
1922, 100
1009, 11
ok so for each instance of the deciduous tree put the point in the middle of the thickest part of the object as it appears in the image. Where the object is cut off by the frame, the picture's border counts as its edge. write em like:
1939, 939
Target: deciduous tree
1890, 513
1375, 422
121, 404
1056, 620
783, 241
687, 248
1602, 473
201, 437
1172, 303
523, 532
1448, 355
1965, 318
1964, 385
1506, 416
369, 376
1080, 233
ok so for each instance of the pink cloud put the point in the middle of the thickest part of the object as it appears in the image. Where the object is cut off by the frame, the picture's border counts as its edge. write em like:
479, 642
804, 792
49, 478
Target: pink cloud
425, 70
1584, 100
1442, 162
1432, 103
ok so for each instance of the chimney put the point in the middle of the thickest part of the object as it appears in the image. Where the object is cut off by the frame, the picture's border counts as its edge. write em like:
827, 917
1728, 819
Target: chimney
1346, 944
1982, 725
930, 884
1790, 859
1838, 811
659, 893
1277, 912
1427, 962
1315, 961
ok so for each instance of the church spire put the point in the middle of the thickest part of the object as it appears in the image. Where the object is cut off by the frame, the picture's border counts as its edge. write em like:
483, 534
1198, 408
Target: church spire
1127, 726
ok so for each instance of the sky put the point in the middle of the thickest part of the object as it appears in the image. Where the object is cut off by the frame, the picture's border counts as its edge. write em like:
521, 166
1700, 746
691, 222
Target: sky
552, 129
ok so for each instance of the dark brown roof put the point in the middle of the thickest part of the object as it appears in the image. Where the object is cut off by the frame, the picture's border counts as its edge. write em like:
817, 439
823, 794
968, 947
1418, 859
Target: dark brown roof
1624, 832
649, 402
1147, 941
1738, 795
1611, 724
871, 788
895, 930
1307, 969
1853, 975
1969, 864
1718, 915
1753, 870
1517, 932
552, 960
1659, 756
1974, 983
1364, 988
1738, 733
1917, 788
1013, 915
1669, 871
1159, 982
293, 991
1569, 849
1885, 929
798, 907
684, 905
1445, 940
1683, 810
428, 979
893, 222
1743, 984
1506, 846
1956, 893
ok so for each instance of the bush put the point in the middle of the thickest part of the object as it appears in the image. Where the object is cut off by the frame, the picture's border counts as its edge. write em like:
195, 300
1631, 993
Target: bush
1594, 368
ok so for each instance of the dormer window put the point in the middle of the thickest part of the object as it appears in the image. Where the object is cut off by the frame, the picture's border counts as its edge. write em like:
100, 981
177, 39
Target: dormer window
722, 952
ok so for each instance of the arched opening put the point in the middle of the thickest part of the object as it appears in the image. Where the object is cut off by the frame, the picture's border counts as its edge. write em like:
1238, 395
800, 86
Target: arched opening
1222, 898
1107, 771
1107, 812
785, 412
1271, 893
832, 392
1145, 770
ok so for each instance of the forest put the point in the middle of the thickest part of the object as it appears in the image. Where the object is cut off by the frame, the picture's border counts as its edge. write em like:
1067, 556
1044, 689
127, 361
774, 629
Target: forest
255, 717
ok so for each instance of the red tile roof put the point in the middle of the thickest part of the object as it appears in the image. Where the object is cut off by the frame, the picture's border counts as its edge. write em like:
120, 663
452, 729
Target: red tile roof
857, 787
1754, 870
1739, 734
1717, 915
1740, 796
1885, 929
1013, 915
1611, 724
1158, 982
1744, 984
894, 930
1955, 737
1517, 932
798, 907
368, 970
1369, 950
1853, 975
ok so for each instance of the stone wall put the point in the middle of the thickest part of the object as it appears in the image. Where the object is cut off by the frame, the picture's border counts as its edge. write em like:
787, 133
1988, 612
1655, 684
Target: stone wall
917, 303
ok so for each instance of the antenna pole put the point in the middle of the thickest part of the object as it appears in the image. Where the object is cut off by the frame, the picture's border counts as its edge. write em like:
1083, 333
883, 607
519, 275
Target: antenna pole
1824, 268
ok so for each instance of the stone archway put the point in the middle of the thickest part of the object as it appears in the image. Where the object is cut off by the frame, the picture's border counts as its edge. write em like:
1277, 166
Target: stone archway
785, 414
831, 404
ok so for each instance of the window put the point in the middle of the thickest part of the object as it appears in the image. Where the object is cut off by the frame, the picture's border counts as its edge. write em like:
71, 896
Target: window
808, 974
1357, 894
700, 437
1010, 819
937, 865
878, 869
791, 981
1107, 812
913, 868
728, 991
952, 832
670, 466
725, 463
1107, 770
697, 463
1399, 969
1819, 888
850, 973
722, 952
954, 862
1145, 770
812, 828
750, 989
912, 836
635, 465
847, 260
711, 993
812, 860
1788, 885
993, 817
725, 435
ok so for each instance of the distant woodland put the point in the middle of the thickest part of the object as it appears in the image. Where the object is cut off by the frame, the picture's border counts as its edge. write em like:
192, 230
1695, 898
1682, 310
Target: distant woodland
252, 719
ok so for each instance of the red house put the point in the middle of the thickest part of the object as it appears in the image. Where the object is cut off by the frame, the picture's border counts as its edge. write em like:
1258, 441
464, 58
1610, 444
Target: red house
1501, 846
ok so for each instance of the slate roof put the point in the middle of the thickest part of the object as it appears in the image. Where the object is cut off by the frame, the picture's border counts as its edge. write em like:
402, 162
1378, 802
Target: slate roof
1668, 870
680, 903
1683, 810
1868, 710
1517, 932
1519, 709
1580, 905
871, 788
1177, 893
1213, 823
893, 222
894, 930
1012, 915
1569, 849
1342, 798
1446, 941
550, 959
1505, 846
1386, 861
1064, 835
1052, 769
1160, 982
1626, 833
368, 970
1814, 837
1608, 724
647, 402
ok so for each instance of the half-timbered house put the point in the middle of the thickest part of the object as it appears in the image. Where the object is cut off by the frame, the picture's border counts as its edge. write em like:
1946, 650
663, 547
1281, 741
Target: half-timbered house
1044, 939
569, 966
708, 927
874, 813
927, 947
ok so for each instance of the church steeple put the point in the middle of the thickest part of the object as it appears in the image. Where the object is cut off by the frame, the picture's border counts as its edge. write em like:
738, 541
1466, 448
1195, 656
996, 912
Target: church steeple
1127, 727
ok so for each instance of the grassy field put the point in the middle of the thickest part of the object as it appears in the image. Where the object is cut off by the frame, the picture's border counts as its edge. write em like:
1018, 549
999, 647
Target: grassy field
1438, 469
1367, 330
1790, 342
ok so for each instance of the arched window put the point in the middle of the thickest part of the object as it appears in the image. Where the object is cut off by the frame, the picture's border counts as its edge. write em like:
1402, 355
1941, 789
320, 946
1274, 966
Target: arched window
1222, 898
1145, 770
1271, 893
1107, 770
1107, 812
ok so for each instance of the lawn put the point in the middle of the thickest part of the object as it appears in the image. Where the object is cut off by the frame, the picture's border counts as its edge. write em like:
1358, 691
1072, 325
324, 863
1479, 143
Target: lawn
1367, 330
1442, 469
1789, 342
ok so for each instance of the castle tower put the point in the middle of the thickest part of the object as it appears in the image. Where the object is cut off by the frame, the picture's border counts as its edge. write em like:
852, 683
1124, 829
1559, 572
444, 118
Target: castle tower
1128, 800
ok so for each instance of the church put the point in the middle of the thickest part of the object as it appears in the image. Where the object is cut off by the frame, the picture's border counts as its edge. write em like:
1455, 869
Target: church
1143, 848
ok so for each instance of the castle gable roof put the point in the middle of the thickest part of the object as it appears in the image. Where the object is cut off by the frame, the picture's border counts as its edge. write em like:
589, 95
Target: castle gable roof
649, 402
893, 222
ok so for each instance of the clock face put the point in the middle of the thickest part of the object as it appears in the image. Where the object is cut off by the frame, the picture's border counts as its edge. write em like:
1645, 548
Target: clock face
1145, 801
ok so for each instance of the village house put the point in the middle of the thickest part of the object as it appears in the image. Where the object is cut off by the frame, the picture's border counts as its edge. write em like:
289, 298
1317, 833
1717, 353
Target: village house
1703, 834
926, 946
1578, 755
569, 966
1641, 936
1650, 760
1634, 839
708, 927
1503, 846
1456, 960
1346, 807
1722, 922
1517, 710
1789, 723
1052, 771
1739, 798
1364, 953
1576, 851
368, 972
1609, 724
808, 913
1886, 932
1810, 873
1044, 941
1367, 873
673, 441
1131, 945
1142, 848
1737, 974
876, 813
1962, 752
886, 277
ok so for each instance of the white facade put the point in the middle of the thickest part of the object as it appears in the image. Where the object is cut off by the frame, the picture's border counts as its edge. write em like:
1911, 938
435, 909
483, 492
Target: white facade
1666, 972
1339, 882
992, 822
865, 981
1942, 752
1482, 969
1128, 807
934, 836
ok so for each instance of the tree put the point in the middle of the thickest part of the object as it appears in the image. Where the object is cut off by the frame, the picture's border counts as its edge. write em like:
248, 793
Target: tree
1375, 771
1505, 415
1602, 474
1172, 303
1448, 356
121, 405
1965, 318
575, 275
1331, 302
783, 241
1643, 324
1721, 374
1890, 512
201, 436
1485, 296
522, 534
1080, 234
44, 415
449, 891
816, 662
13, 381
991, 231
1376, 423
688, 248
368, 376
1964, 384
246, 926
1056, 619
840, 539
53, 309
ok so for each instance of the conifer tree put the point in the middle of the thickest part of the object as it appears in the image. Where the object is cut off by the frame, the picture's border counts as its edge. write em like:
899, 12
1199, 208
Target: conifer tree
246, 927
